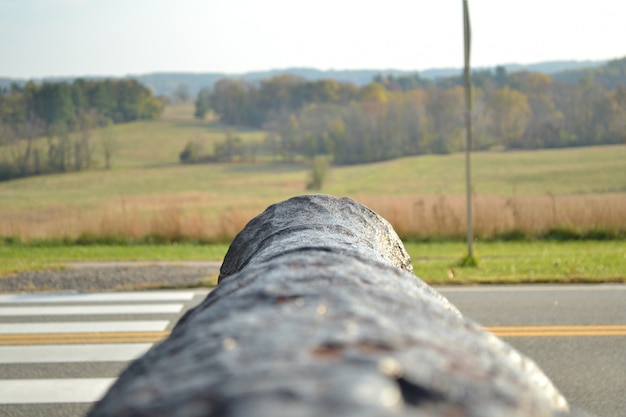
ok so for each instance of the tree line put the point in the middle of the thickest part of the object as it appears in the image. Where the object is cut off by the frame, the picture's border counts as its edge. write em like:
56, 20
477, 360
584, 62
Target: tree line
397, 116
46, 128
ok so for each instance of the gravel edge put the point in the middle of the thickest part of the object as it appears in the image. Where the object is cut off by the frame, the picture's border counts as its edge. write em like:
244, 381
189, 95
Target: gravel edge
113, 277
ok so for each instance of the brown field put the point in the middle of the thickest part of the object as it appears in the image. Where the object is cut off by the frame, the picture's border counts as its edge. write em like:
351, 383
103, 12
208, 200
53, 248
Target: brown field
197, 217
149, 194
494, 216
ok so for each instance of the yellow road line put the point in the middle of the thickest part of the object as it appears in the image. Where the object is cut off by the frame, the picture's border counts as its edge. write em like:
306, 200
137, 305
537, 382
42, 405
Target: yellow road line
81, 338
538, 331
152, 337
598, 327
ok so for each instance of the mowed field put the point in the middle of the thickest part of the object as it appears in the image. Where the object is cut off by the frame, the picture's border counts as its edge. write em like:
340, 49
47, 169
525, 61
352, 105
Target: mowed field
148, 192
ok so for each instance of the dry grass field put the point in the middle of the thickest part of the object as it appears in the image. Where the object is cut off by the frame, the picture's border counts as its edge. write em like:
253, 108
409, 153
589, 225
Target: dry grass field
149, 195
200, 218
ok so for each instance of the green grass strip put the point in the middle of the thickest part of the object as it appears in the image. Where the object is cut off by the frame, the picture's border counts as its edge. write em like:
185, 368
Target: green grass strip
434, 262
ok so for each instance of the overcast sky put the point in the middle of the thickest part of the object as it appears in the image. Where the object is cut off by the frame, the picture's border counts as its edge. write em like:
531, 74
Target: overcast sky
40, 38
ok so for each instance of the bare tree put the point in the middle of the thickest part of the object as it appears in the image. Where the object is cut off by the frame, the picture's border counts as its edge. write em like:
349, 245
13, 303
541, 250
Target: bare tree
109, 147
22, 144
181, 94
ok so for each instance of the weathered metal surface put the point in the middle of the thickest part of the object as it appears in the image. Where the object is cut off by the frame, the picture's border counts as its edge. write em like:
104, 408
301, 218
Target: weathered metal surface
318, 314
338, 225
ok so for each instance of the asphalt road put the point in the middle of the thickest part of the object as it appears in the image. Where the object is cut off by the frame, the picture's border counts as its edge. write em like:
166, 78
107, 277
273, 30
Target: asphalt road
577, 335
60, 352
588, 366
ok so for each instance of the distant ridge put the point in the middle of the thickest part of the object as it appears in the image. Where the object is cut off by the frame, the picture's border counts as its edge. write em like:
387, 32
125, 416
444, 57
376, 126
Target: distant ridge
165, 83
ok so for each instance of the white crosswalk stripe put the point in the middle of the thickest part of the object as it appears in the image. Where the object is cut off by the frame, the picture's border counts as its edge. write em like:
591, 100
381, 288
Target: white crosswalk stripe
83, 327
63, 337
97, 297
89, 310
51, 391
108, 352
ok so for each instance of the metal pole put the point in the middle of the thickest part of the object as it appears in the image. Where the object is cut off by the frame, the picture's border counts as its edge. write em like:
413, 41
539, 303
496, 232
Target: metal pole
468, 128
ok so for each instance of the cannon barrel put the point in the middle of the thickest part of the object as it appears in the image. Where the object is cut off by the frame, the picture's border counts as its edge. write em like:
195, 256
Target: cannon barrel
318, 313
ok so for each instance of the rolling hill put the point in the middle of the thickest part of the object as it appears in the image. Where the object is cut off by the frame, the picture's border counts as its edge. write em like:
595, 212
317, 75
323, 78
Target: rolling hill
149, 193
163, 83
